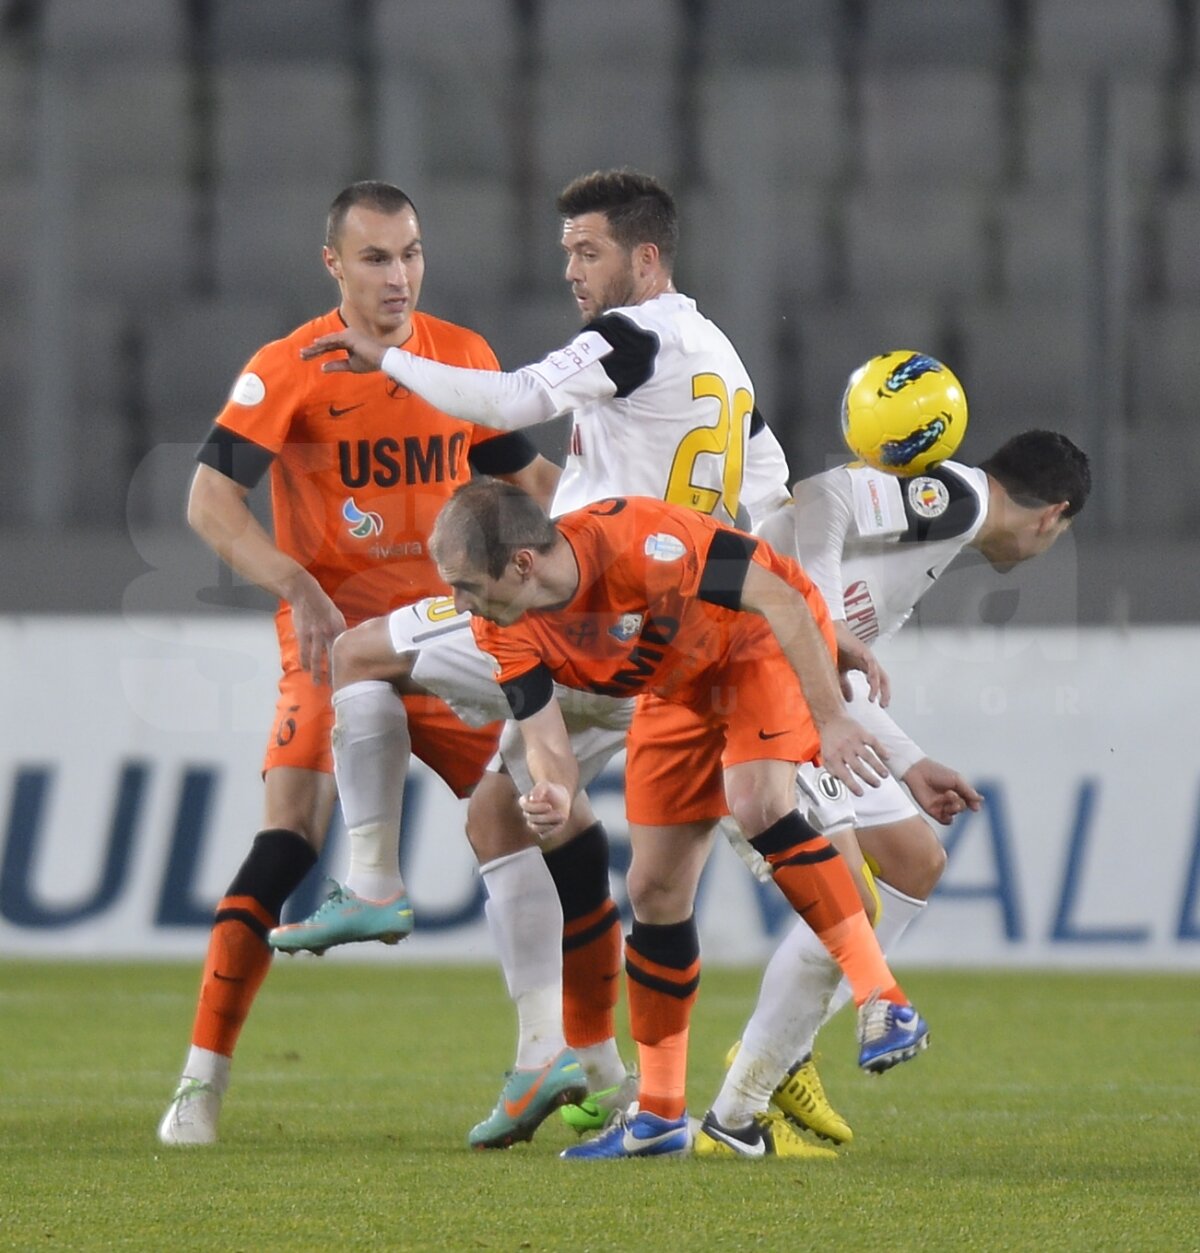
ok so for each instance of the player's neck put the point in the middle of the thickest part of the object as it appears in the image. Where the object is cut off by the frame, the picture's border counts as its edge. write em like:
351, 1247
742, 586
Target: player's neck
557, 576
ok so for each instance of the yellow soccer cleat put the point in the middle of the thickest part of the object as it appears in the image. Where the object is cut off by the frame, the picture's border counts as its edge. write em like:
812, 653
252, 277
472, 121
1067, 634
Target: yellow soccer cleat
768, 1135
801, 1097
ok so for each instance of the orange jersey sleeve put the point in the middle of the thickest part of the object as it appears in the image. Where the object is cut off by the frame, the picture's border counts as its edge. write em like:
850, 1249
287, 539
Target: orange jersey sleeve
655, 607
361, 466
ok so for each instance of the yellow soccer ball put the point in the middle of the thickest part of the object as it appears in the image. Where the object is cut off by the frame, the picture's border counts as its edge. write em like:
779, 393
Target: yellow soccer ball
903, 412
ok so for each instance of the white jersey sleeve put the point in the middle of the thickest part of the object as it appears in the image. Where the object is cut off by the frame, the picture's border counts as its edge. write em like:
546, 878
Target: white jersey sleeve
765, 485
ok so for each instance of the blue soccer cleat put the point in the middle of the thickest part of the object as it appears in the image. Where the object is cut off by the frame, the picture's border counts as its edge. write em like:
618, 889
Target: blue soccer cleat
888, 1034
344, 918
527, 1099
636, 1134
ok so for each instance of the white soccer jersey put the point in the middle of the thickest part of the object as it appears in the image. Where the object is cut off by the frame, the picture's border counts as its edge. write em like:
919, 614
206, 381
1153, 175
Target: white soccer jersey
875, 544
662, 406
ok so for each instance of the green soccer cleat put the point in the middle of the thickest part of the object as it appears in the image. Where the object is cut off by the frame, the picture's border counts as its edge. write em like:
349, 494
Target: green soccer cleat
527, 1099
598, 1109
344, 918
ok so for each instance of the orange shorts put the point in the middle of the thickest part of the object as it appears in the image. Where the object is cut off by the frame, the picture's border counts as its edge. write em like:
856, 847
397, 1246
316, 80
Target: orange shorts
300, 736
676, 752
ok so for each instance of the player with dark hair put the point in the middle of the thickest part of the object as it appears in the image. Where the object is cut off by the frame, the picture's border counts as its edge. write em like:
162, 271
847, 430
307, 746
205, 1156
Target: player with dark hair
352, 505
875, 544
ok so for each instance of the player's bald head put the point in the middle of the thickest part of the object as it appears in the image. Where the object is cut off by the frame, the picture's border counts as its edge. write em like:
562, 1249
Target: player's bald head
370, 194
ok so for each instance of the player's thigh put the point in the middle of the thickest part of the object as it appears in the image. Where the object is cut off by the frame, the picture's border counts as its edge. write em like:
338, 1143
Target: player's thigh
664, 869
907, 854
367, 652
444, 659
672, 766
457, 752
299, 737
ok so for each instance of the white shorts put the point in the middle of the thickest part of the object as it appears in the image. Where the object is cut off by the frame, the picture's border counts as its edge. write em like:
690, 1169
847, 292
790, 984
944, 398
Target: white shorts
449, 664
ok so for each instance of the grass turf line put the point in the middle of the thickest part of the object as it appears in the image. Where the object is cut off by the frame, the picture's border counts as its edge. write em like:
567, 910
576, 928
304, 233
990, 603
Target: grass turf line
1053, 1111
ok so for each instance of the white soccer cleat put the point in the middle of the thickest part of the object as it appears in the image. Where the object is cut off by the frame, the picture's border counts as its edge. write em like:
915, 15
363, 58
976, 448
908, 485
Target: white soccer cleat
191, 1118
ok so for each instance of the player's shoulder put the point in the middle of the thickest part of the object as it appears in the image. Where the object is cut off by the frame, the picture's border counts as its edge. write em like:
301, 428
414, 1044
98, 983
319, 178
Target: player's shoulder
450, 342
946, 502
277, 363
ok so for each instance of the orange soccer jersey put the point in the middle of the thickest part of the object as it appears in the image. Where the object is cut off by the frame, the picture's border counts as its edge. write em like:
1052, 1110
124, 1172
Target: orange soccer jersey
361, 466
654, 612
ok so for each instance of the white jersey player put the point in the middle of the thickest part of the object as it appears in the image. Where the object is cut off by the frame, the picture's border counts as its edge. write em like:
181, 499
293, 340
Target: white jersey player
875, 544
662, 406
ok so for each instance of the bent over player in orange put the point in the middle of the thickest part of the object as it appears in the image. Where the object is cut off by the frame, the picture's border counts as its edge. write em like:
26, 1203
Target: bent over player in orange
631, 596
359, 468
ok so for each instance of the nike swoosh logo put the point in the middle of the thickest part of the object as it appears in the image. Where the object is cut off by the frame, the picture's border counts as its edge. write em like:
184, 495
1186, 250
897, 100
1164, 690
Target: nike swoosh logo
758, 1149
771, 735
932, 572
632, 1143
227, 978
335, 412
514, 1109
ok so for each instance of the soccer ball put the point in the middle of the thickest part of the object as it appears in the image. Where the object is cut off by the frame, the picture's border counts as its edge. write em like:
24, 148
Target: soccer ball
903, 412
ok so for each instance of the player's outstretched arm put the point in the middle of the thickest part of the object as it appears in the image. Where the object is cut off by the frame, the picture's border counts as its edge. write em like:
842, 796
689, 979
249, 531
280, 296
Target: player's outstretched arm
940, 791
553, 768
507, 402
218, 513
849, 751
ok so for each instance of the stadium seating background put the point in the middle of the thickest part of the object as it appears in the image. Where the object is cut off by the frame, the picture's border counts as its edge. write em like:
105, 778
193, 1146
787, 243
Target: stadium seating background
1011, 184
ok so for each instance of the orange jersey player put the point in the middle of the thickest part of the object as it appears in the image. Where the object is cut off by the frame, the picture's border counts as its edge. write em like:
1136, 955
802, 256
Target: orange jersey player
358, 471
637, 595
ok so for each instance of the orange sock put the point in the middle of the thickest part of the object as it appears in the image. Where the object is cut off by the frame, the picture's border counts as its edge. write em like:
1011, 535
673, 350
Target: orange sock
237, 963
820, 888
591, 937
662, 966
238, 955
591, 967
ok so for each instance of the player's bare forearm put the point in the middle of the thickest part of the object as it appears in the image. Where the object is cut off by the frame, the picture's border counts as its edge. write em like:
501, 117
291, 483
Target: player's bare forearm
553, 769
789, 617
218, 513
539, 479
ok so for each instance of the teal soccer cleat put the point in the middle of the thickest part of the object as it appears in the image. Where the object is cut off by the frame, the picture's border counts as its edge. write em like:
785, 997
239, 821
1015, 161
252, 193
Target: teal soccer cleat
344, 918
635, 1134
527, 1099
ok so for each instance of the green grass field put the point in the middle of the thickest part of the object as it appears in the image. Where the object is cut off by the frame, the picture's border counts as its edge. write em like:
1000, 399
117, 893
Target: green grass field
1052, 1112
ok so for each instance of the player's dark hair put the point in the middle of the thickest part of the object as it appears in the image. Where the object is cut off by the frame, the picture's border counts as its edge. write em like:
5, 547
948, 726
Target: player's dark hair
382, 197
639, 209
486, 521
1042, 468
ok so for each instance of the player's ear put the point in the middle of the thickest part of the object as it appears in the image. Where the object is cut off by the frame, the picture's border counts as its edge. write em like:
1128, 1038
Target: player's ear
1051, 515
333, 262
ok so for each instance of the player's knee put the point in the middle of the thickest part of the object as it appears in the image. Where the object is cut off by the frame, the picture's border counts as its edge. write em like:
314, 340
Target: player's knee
755, 811
365, 652
907, 856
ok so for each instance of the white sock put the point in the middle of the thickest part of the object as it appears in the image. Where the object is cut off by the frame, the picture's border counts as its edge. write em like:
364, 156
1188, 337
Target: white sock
525, 918
371, 748
208, 1067
796, 985
898, 912
602, 1064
